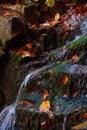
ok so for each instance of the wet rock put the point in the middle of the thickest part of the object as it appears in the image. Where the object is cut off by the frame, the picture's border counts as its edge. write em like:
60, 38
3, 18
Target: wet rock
11, 24
2, 100
60, 121
31, 19
1, 51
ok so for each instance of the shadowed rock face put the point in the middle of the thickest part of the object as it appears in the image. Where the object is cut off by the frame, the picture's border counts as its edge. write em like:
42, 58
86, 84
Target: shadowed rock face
2, 100
8, 1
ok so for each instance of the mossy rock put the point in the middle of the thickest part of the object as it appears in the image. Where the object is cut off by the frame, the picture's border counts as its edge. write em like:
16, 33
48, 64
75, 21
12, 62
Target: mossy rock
65, 117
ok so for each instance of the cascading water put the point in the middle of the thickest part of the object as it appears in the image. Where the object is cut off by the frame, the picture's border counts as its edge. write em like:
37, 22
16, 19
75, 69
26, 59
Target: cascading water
64, 122
7, 116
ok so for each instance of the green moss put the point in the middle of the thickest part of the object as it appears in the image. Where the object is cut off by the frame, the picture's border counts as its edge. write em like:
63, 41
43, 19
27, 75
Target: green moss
78, 43
17, 59
57, 68
2, 43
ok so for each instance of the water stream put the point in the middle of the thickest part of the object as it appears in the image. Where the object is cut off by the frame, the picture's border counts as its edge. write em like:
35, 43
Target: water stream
64, 122
7, 116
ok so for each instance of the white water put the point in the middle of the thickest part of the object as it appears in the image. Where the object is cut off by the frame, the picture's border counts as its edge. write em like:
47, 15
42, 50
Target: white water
8, 115
64, 122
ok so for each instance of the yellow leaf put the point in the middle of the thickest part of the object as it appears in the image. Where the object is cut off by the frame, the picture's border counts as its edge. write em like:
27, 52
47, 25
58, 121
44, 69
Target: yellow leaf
50, 3
57, 16
45, 106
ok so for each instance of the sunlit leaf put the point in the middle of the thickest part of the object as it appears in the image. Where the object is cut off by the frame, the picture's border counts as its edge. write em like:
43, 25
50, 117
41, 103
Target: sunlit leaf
50, 3
29, 45
45, 106
57, 16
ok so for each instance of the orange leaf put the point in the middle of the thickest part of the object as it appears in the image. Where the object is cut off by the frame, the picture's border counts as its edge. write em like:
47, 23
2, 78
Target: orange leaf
64, 79
74, 58
51, 116
24, 103
29, 45
85, 115
45, 94
45, 106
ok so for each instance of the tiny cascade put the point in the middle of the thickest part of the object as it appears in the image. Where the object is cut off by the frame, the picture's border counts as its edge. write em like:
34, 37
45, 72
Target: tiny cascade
8, 115
64, 122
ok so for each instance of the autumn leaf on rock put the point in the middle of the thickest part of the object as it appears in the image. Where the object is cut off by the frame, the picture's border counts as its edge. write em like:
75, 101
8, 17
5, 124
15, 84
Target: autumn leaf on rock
74, 58
51, 116
85, 116
45, 94
29, 45
50, 3
24, 103
57, 16
45, 106
64, 79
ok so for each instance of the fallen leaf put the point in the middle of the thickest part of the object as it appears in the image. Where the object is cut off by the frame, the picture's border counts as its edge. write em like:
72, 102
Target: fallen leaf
50, 3
64, 79
24, 103
57, 16
51, 116
45, 94
29, 45
85, 115
74, 58
45, 106
75, 94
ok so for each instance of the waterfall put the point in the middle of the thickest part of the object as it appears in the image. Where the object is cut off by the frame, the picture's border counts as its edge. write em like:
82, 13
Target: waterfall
8, 115
64, 122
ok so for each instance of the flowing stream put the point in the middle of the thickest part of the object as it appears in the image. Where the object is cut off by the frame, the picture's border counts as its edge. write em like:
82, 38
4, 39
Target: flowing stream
64, 122
8, 115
